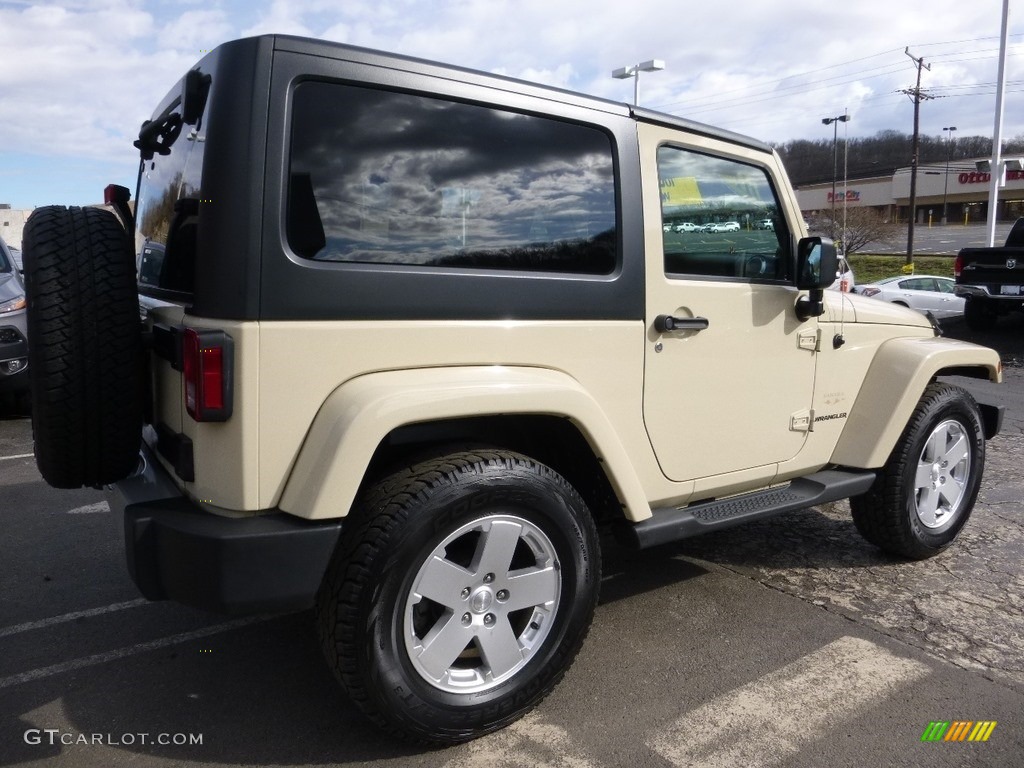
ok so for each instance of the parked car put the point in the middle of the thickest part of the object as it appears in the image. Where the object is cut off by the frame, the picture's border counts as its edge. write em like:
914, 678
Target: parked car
14, 381
925, 293
845, 281
765, 224
687, 226
722, 226
991, 280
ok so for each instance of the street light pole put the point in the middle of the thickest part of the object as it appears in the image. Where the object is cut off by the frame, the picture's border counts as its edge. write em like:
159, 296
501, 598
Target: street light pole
846, 166
949, 154
623, 73
834, 122
997, 131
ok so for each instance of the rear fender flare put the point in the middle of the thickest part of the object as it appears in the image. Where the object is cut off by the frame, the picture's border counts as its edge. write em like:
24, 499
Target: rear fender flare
360, 413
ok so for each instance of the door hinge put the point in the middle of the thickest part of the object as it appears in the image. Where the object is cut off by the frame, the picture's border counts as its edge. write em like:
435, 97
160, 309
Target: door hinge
802, 421
810, 340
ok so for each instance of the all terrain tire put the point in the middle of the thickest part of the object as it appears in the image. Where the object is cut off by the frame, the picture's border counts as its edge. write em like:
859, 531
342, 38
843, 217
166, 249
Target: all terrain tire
462, 590
85, 346
924, 494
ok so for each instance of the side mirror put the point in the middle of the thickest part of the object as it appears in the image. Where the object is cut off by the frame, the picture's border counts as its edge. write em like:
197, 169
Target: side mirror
816, 265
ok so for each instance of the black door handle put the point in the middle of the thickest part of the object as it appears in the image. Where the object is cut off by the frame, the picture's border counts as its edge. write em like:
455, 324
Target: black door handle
668, 323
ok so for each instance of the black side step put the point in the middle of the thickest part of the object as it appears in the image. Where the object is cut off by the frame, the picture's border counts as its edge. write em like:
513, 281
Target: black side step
669, 525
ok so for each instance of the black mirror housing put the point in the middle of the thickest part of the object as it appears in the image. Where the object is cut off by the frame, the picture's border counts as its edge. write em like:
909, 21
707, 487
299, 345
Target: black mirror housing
816, 264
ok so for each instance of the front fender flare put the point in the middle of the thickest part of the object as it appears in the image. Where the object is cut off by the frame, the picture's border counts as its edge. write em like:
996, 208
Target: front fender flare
892, 388
360, 413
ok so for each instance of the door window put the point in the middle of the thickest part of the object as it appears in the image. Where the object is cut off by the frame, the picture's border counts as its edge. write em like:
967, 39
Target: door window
918, 284
720, 218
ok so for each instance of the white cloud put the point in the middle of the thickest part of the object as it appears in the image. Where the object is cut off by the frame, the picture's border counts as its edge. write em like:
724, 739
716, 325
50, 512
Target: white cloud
281, 18
78, 77
194, 31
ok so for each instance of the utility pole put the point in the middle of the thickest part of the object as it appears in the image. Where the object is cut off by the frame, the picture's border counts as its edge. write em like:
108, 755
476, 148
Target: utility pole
917, 97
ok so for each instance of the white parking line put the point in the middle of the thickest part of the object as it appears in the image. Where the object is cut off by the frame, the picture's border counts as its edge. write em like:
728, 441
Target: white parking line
120, 653
528, 743
90, 509
28, 626
769, 720
18, 456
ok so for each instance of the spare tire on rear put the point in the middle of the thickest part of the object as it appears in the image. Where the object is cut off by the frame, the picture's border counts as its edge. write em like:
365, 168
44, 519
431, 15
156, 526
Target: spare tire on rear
85, 346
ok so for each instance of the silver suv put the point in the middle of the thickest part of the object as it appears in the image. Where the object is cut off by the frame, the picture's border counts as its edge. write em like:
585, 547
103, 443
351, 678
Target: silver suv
423, 332
14, 383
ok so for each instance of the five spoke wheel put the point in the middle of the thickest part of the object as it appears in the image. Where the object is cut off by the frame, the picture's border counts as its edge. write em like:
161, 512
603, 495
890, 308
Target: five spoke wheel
942, 473
481, 602
460, 594
923, 496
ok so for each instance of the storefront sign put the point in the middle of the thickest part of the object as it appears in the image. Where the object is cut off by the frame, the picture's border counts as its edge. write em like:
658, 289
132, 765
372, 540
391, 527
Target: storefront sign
984, 177
852, 196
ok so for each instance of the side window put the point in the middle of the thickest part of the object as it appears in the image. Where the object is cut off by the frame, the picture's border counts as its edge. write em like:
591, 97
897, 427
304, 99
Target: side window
918, 284
720, 218
945, 285
397, 178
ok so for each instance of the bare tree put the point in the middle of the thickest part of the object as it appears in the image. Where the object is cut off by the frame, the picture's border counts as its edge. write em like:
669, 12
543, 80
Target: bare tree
864, 226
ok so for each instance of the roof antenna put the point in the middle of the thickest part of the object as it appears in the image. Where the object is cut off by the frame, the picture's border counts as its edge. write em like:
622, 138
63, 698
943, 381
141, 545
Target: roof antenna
838, 340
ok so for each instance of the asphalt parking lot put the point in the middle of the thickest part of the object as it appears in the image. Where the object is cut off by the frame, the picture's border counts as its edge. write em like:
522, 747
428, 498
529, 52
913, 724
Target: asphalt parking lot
939, 240
789, 642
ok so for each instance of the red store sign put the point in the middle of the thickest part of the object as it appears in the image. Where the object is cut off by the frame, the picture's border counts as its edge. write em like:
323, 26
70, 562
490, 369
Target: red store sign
852, 196
983, 177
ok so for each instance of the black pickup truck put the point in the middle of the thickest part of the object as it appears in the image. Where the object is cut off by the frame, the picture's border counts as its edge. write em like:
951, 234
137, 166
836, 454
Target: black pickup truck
991, 279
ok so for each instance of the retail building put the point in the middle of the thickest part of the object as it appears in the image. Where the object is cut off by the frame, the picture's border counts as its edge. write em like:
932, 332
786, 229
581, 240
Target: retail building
963, 191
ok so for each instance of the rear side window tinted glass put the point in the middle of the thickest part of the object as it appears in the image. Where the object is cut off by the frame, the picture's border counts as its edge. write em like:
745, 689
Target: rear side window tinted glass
398, 178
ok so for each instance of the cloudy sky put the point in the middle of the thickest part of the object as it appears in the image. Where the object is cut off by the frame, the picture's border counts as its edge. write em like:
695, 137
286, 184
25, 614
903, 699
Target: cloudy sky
77, 77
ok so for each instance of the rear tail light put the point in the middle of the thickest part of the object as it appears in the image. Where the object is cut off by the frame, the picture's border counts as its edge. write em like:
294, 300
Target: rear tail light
958, 265
208, 368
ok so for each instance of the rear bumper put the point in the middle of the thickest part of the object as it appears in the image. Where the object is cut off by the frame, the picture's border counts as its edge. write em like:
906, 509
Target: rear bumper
987, 292
178, 551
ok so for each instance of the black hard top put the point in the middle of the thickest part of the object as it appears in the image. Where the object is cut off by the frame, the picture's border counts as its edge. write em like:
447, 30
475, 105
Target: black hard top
343, 51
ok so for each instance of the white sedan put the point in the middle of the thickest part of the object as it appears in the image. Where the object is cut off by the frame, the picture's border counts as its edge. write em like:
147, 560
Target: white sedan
722, 226
929, 293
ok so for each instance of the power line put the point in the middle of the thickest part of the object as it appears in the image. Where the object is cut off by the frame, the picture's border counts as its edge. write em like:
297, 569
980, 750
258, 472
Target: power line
779, 80
757, 93
799, 88
694, 103
961, 42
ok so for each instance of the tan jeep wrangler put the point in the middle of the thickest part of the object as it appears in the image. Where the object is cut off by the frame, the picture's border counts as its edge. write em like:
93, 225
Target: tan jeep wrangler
413, 334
